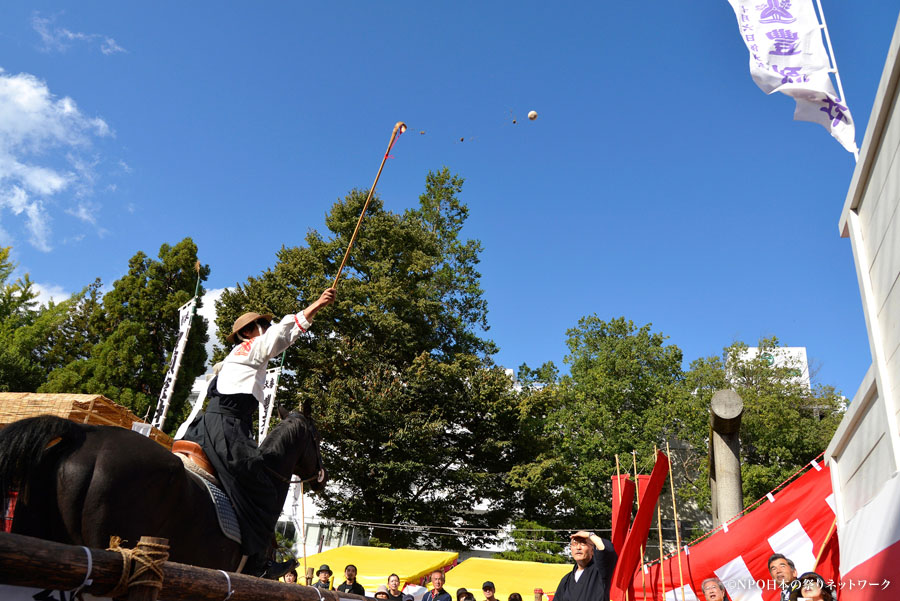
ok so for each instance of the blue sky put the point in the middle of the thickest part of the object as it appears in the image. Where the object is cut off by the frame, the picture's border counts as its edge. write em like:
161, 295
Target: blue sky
657, 183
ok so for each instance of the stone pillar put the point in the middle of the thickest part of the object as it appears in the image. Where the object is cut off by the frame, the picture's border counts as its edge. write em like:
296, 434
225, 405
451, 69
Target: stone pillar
725, 411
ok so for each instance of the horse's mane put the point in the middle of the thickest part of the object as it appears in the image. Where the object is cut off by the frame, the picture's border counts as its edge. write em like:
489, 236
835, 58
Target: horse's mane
23, 444
284, 435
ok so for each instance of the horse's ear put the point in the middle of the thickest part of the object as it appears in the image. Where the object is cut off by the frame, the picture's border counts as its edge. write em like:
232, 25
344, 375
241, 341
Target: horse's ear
306, 408
282, 412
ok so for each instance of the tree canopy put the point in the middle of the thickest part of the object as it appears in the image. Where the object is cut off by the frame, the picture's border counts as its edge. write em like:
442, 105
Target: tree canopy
621, 377
784, 425
416, 419
428, 442
130, 335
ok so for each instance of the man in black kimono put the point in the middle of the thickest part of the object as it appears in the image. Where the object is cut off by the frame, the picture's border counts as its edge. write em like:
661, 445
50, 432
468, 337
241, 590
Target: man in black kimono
223, 430
591, 577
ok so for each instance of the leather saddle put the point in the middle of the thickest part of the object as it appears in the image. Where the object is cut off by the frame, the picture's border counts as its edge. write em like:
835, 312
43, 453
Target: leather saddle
194, 452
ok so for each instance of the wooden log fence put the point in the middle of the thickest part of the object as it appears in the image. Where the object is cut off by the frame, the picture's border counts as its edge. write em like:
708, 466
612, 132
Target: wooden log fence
32, 562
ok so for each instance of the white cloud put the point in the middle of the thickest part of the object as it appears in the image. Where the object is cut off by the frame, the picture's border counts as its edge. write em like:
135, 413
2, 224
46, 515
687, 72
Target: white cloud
32, 119
85, 211
38, 226
73, 239
86, 170
48, 292
109, 46
208, 310
58, 39
35, 126
37, 220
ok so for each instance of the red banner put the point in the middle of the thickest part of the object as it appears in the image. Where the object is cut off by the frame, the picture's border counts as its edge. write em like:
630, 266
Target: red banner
622, 503
630, 553
794, 522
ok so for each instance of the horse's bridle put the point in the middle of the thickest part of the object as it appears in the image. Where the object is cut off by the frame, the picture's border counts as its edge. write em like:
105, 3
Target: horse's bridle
313, 439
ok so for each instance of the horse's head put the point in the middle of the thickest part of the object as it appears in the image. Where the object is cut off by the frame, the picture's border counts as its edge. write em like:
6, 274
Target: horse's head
296, 440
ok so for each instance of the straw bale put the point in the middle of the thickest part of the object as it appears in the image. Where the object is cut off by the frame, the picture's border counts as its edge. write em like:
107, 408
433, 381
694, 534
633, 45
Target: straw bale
82, 408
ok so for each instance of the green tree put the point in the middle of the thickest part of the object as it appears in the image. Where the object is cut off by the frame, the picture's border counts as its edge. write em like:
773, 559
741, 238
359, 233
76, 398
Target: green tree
783, 427
57, 334
135, 331
417, 422
18, 299
534, 542
19, 369
613, 401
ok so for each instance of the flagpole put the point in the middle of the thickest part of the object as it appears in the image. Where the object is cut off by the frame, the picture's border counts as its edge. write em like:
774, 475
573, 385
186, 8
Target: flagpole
619, 482
825, 543
675, 515
638, 497
662, 567
834, 69
165, 408
197, 269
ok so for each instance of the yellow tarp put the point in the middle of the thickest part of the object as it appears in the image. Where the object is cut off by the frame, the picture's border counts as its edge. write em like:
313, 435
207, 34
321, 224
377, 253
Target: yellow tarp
375, 564
508, 577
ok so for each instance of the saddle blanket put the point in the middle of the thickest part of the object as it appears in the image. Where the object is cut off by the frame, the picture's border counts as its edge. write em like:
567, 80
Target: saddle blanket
228, 521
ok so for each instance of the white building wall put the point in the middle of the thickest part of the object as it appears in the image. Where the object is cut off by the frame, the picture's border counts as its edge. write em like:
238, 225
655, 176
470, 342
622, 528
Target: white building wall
865, 451
793, 357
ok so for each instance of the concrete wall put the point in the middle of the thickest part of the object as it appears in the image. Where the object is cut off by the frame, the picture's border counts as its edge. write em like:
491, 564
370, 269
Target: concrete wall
861, 451
865, 451
879, 225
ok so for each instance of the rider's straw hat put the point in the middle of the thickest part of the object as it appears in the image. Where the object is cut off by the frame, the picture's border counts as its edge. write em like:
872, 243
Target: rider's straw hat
245, 320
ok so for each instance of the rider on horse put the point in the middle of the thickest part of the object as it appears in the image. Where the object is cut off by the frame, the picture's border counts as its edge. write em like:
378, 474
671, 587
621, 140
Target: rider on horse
223, 431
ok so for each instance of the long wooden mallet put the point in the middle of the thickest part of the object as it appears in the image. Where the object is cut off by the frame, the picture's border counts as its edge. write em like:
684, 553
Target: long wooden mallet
398, 129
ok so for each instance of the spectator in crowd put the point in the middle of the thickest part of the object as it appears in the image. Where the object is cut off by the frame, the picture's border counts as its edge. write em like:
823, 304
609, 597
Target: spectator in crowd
783, 572
488, 589
515, 597
713, 589
381, 592
394, 593
291, 577
324, 577
350, 584
591, 576
813, 587
467, 596
460, 592
437, 593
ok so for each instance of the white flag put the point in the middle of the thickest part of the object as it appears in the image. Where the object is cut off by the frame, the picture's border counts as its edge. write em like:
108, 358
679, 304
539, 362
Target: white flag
195, 411
185, 313
265, 407
787, 55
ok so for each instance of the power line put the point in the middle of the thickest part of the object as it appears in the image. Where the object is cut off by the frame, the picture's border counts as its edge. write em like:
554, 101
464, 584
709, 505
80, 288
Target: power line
457, 531
464, 528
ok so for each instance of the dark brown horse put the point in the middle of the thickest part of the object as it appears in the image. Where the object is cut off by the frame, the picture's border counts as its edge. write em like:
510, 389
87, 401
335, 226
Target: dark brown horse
81, 484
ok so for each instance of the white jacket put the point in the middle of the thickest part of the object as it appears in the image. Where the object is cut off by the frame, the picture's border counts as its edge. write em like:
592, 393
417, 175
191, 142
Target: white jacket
244, 369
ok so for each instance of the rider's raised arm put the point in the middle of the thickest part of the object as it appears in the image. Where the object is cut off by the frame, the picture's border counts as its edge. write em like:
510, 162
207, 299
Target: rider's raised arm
284, 333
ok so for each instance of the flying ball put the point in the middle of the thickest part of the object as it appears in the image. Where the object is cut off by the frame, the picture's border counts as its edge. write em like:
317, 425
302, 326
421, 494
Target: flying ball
532, 115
